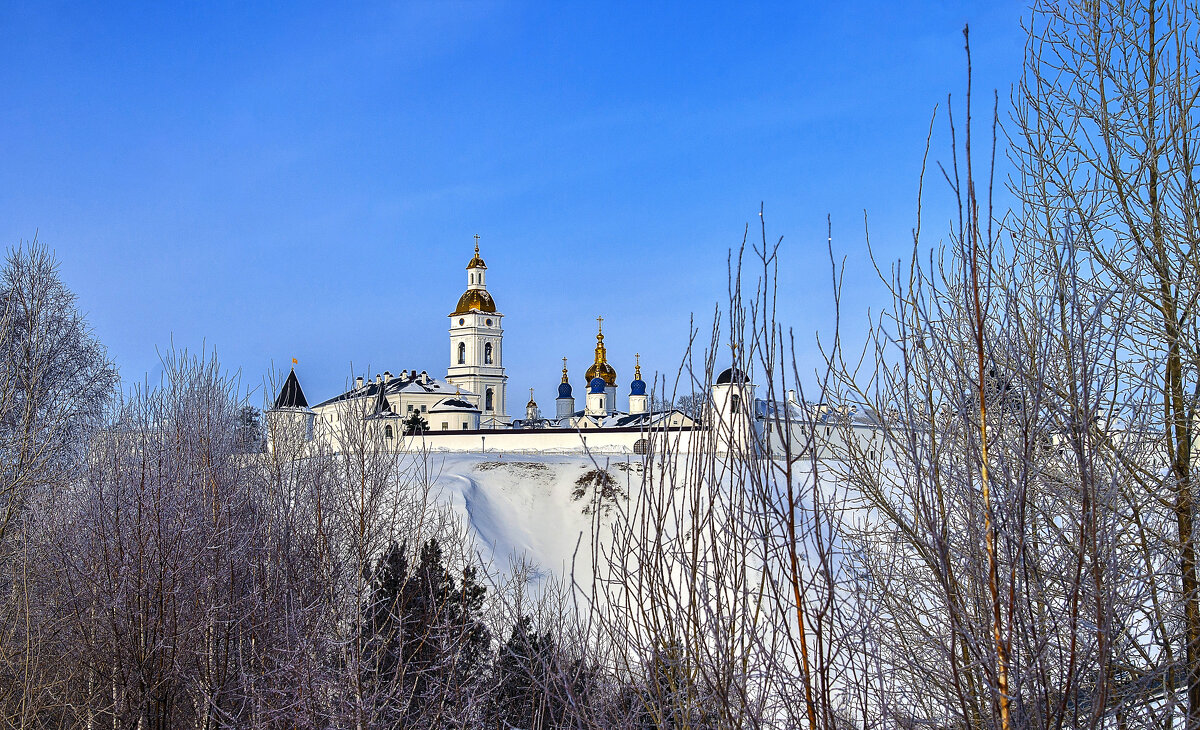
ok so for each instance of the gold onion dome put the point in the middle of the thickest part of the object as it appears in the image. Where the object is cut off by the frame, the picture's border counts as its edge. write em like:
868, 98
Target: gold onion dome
475, 300
476, 263
600, 368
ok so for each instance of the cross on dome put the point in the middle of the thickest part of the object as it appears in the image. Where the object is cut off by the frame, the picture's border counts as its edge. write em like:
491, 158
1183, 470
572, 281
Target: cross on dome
476, 262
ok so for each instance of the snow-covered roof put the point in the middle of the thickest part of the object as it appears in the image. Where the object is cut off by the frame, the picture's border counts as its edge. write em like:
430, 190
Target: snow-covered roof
408, 382
382, 408
454, 405
634, 420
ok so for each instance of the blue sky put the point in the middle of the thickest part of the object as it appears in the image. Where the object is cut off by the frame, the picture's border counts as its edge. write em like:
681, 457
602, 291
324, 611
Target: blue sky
304, 179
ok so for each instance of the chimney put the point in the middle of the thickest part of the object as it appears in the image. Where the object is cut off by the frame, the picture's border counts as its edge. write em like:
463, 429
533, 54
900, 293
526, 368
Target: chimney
404, 374
791, 396
387, 375
378, 378
358, 382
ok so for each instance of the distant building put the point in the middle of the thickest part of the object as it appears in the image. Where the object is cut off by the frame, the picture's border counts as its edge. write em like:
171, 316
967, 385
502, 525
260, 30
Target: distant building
467, 410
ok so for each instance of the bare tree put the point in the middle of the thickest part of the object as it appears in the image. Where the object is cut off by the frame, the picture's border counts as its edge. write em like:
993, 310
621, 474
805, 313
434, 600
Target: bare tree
1106, 142
55, 381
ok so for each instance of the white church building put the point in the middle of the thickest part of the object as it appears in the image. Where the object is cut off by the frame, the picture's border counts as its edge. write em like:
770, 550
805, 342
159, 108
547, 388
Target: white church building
467, 410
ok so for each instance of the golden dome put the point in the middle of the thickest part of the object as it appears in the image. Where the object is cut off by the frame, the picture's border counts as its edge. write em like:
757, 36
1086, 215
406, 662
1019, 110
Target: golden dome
603, 371
475, 300
600, 368
476, 263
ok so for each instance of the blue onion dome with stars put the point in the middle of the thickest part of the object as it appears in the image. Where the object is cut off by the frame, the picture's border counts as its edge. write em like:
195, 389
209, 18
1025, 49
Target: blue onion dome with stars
564, 388
638, 386
596, 385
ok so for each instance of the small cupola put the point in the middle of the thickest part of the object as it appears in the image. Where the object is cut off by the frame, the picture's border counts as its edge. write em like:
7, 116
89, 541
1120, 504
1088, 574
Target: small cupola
564, 388
476, 298
531, 408
638, 386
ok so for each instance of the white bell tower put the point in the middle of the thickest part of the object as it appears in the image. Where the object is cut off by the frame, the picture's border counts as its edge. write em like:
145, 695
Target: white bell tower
476, 346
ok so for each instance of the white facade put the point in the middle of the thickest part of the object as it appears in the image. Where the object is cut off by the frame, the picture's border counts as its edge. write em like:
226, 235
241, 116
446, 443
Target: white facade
597, 402
733, 411
443, 407
289, 429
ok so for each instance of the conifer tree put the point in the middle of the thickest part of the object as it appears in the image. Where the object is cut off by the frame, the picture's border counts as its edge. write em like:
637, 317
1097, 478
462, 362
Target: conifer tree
425, 637
415, 423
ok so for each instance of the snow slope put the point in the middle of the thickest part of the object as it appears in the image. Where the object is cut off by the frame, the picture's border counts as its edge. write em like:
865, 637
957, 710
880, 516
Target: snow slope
530, 506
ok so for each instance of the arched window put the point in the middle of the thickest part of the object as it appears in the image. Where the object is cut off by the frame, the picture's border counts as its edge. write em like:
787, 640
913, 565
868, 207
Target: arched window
462, 353
487, 399
641, 446
387, 432
735, 403
487, 354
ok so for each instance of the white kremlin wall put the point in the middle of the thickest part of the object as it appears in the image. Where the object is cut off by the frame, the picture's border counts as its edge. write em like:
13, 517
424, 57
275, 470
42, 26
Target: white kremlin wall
564, 441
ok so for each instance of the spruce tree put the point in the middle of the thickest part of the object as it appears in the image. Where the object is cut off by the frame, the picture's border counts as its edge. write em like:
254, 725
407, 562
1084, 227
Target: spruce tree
426, 639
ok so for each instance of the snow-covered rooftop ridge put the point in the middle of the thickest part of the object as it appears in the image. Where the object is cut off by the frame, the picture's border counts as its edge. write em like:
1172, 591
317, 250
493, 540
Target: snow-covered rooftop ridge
629, 420
409, 381
454, 404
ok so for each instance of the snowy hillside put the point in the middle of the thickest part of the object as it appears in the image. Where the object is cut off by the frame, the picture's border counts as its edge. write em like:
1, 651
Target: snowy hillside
537, 507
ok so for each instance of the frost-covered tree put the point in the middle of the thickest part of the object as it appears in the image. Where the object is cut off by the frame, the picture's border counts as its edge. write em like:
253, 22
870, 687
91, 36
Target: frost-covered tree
251, 437
55, 382
55, 378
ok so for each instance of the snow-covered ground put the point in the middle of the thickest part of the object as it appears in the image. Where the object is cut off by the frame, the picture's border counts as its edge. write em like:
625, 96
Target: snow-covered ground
539, 508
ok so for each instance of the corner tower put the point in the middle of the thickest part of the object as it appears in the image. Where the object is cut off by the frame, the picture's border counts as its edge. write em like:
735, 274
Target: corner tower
476, 346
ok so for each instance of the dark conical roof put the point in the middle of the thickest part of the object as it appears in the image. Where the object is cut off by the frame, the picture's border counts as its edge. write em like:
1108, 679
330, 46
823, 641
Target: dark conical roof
291, 395
381, 403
